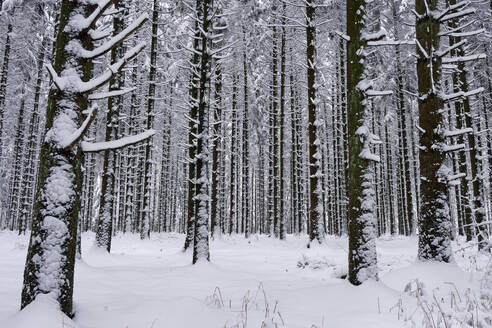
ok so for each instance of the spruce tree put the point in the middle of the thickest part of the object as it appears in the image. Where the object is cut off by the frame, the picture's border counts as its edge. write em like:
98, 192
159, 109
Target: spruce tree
51, 255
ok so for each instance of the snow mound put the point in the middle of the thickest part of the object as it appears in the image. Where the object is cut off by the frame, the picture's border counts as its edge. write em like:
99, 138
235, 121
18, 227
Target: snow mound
432, 274
42, 313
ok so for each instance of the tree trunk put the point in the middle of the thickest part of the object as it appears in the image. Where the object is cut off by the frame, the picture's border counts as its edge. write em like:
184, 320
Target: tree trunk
315, 205
434, 222
201, 242
361, 206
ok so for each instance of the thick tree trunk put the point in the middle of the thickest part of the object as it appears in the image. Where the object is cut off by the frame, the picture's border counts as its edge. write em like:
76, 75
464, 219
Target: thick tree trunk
361, 206
434, 222
51, 254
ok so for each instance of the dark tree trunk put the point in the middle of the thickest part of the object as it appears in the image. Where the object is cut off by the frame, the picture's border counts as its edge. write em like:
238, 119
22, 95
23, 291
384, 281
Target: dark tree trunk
434, 223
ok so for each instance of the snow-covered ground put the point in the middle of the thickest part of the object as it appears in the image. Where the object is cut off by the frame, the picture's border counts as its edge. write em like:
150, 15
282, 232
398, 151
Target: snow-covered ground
254, 283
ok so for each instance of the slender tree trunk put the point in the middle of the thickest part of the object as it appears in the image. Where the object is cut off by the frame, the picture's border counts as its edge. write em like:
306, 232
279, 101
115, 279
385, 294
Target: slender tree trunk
281, 158
3, 82
245, 165
201, 240
315, 205
232, 208
106, 202
147, 172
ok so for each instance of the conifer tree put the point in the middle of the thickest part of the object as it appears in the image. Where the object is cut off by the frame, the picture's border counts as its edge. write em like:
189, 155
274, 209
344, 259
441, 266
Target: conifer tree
361, 206
51, 255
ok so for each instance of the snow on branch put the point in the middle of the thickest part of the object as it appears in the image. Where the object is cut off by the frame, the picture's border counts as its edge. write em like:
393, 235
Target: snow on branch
451, 48
366, 86
390, 43
71, 140
451, 60
116, 144
367, 139
456, 176
373, 36
426, 55
451, 148
368, 155
113, 69
459, 132
458, 15
451, 9
377, 93
75, 84
108, 94
454, 179
466, 34
343, 36
100, 34
456, 29
459, 94
59, 82
110, 44
216, 51
80, 23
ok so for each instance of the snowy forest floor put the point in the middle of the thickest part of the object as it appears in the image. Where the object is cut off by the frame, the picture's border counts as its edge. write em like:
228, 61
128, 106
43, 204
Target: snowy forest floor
260, 282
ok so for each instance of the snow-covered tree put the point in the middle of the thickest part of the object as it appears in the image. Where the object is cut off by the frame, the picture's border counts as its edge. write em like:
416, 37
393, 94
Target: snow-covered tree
51, 256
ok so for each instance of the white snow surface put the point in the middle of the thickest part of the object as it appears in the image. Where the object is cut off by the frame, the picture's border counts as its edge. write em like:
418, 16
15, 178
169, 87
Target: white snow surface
152, 283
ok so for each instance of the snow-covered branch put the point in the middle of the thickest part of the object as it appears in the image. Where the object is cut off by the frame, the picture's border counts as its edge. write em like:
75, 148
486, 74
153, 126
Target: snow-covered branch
100, 34
108, 94
459, 132
451, 148
80, 23
451, 9
113, 69
457, 15
451, 60
390, 43
110, 44
116, 144
76, 136
451, 48
377, 93
460, 94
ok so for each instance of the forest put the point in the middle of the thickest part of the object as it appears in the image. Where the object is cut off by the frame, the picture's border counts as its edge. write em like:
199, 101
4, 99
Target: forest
256, 163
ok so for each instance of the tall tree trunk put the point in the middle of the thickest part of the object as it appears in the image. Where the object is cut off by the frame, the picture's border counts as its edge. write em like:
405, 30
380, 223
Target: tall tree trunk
3, 82
361, 208
434, 222
192, 133
54, 228
18, 221
104, 227
315, 205
216, 134
201, 242
147, 172
233, 186
281, 158
30, 165
245, 165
